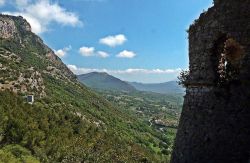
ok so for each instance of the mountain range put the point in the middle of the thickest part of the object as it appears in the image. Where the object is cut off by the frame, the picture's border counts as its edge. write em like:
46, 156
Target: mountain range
104, 81
164, 88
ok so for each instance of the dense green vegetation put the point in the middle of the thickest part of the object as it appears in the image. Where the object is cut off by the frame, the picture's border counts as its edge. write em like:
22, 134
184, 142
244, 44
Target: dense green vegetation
160, 111
16, 154
52, 131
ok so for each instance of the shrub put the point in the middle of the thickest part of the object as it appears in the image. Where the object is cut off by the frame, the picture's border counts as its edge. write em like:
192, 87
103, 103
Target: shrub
183, 78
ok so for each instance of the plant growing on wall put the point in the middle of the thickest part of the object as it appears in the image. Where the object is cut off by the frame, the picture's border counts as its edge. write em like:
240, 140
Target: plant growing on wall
183, 77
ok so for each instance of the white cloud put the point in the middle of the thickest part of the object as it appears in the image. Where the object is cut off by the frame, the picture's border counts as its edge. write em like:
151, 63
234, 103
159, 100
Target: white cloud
87, 51
113, 41
62, 52
126, 54
40, 14
21, 3
90, 52
102, 54
78, 70
147, 71
2, 2
73, 68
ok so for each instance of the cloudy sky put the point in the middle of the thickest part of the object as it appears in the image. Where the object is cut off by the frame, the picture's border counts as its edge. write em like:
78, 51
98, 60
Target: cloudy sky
135, 40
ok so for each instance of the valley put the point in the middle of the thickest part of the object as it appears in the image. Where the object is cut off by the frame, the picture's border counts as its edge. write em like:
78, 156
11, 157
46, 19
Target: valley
159, 111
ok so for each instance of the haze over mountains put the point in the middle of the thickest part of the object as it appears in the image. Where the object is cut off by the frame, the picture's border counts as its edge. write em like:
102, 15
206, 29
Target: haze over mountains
104, 81
164, 88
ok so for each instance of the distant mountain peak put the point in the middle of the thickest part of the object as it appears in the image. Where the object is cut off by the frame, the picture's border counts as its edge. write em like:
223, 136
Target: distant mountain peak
104, 81
101, 73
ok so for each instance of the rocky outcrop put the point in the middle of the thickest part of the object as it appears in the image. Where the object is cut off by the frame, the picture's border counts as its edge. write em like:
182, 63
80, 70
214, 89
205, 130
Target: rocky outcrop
24, 81
25, 59
11, 26
214, 125
7, 28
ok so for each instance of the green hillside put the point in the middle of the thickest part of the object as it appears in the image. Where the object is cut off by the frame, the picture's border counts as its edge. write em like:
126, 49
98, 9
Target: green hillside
104, 81
67, 122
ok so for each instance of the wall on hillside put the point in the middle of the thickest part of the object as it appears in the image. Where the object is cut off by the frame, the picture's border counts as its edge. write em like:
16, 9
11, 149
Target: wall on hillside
215, 122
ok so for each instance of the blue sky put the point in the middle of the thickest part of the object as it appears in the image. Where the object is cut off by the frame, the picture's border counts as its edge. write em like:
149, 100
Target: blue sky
135, 40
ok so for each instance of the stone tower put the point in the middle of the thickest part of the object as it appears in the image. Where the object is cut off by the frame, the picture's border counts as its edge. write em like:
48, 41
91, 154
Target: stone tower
215, 121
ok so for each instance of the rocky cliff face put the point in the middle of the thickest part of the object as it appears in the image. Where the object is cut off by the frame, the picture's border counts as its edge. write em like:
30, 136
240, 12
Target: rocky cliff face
7, 28
214, 126
25, 59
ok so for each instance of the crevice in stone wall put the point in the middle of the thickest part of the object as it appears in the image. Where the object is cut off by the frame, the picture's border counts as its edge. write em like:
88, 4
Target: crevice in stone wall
218, 59
234, 53
226, 59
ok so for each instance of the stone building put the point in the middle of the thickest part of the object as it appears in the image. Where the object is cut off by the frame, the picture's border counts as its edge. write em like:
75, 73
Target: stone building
215, 121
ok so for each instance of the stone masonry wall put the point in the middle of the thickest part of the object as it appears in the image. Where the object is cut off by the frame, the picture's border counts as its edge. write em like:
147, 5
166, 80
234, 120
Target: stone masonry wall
215, 121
